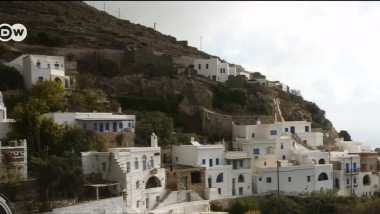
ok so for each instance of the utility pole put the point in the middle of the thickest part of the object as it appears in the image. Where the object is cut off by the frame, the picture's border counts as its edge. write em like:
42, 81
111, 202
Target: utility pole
200, 45
278, 179
154, 26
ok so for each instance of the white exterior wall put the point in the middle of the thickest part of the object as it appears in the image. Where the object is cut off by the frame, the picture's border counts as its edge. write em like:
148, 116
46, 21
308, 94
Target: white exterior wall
32, 73
232, 71
95, 121
225, 186
18, 149
209, 72
17, 63
185, 155
223, 70
134, 180
313, 139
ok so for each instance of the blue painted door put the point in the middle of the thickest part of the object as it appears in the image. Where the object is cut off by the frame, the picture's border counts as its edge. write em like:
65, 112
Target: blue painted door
293, 130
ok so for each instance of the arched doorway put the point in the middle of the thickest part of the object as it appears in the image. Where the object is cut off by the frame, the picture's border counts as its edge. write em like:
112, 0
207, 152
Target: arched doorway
153, 182
366, 180
322, 177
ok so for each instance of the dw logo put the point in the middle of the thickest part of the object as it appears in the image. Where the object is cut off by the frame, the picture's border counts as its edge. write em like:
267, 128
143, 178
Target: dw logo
16, 32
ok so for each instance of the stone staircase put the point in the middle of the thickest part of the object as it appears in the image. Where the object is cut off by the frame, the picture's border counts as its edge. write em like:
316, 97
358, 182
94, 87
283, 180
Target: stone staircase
299, 141
122, 164
167, 193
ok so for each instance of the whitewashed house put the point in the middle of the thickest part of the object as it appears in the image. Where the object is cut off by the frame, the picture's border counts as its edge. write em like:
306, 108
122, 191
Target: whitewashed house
99, 122
18, 150
38, 68
281, 157
138, 169
214, 69
227, 173
5, 123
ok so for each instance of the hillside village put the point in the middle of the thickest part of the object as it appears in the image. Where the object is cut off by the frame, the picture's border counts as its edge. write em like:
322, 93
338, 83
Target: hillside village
82, 145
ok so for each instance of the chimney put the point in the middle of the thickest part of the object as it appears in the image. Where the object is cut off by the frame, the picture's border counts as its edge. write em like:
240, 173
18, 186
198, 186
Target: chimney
275, 117
153, 140
191, 139
119, 110
258, 121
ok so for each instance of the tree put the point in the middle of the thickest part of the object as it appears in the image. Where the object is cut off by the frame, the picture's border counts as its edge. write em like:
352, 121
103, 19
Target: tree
243, 205
378, 151
59, 177
344, 134
296, 92
49, 92
10, 78
156, 122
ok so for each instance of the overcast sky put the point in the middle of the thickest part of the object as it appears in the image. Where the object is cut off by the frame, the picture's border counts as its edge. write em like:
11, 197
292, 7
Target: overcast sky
330, 51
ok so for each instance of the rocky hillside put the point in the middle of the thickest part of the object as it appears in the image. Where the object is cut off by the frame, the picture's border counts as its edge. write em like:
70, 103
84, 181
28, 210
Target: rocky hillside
144, 70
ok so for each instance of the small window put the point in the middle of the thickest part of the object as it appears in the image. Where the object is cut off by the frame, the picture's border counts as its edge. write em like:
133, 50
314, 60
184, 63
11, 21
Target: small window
282, 146
354, 180
40, 79
38, 64
137, 204
210, 162
219, 179
348, 181
241, 179
176, 158
206, 66
152, 163
256, 151
241, 163
203, 161
95, 126
128, 166
217, 161
56, 66
137, 184
253, 135
196, 177
107, 126
283, 157
306, 128
104, 166
48, 65
273, 132
260, 179
136, 164
220, 191
269, 180
308, 179
199, 66
289, 179
120, 125
144, 164
286, 129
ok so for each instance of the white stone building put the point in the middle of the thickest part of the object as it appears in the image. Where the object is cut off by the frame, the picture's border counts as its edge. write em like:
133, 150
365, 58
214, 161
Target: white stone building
214, 69
100, 122
38, 68
18, 150
138, 169
281, 157
5, 123
350, 178
227, 173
